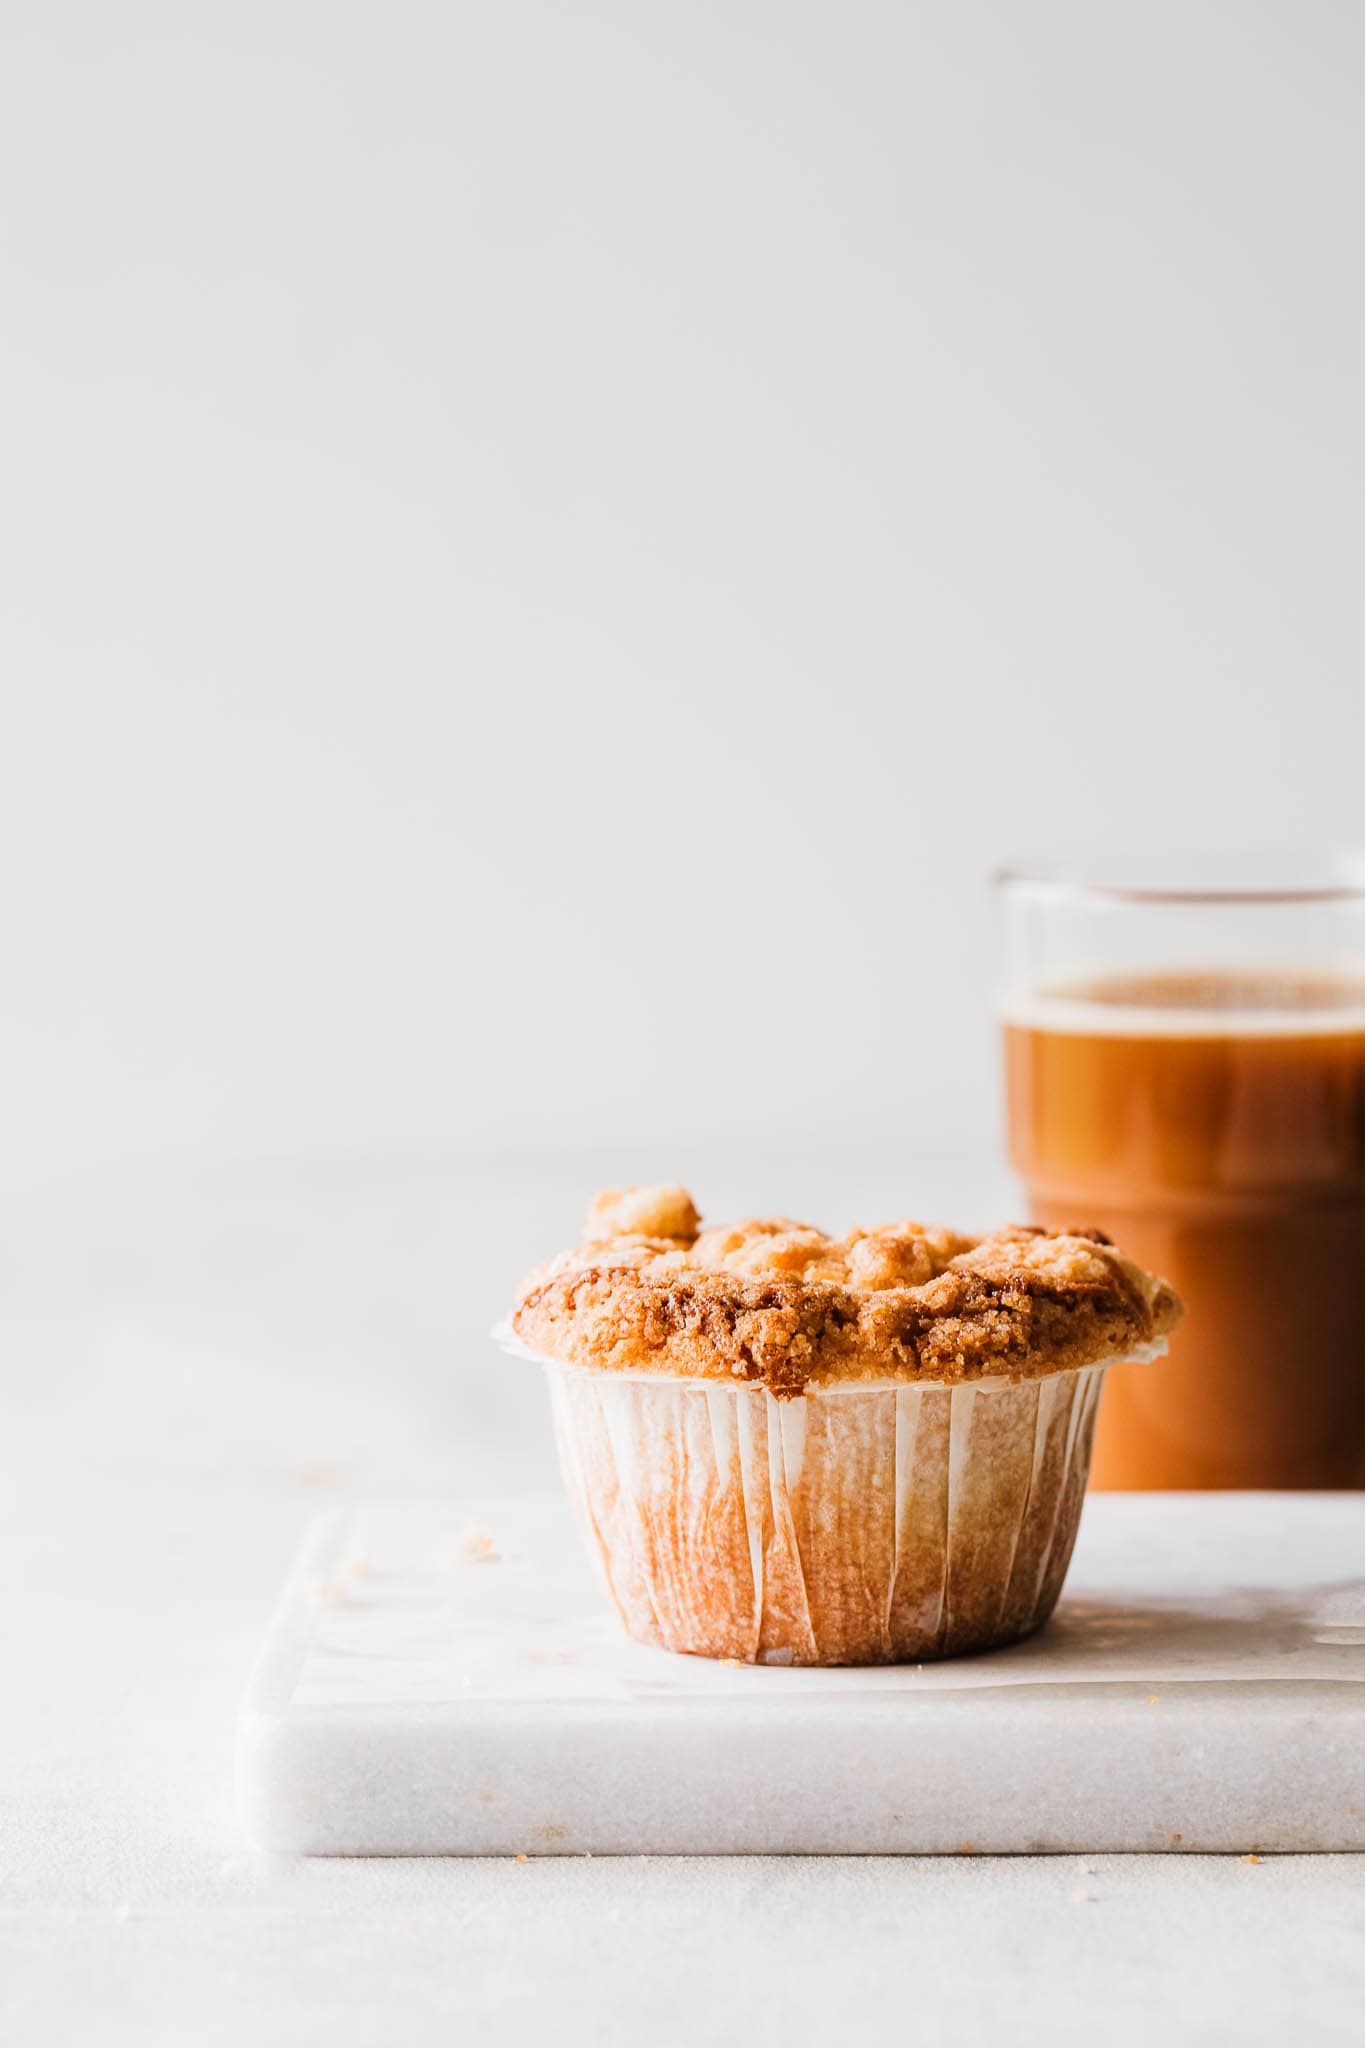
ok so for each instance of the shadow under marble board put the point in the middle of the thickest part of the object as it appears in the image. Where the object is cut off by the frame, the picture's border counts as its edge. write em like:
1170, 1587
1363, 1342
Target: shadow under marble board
447, 1679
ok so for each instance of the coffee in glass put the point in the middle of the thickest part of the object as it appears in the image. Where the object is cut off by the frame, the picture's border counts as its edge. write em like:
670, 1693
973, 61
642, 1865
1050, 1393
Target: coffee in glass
1185, 1067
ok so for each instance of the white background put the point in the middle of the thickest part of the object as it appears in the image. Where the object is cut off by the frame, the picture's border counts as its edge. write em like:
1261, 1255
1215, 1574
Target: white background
548, 548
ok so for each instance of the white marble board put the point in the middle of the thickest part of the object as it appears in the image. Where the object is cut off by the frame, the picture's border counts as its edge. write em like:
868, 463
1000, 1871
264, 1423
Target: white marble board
443, 1679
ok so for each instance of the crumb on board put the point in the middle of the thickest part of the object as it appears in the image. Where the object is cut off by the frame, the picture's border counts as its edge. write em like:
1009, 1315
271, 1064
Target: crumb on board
1153, 1699
477, 1548
317, 1475
521, 1857
359, 1568
329, 1593
1082, 1897
1252, 1857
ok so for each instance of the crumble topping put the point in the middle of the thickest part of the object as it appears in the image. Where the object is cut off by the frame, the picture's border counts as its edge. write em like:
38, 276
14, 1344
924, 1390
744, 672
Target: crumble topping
781, 1303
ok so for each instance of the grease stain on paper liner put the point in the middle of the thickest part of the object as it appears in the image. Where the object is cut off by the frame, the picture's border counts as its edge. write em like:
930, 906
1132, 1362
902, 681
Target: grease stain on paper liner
849, 1525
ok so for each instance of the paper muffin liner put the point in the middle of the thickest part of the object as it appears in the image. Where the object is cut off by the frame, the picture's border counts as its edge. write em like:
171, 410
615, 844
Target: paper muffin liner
849, 1525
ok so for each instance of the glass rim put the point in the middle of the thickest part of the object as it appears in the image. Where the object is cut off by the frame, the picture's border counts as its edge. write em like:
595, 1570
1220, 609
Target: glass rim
1337, 877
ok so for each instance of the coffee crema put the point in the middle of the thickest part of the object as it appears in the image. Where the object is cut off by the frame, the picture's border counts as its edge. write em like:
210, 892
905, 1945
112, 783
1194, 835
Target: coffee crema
1214, 1124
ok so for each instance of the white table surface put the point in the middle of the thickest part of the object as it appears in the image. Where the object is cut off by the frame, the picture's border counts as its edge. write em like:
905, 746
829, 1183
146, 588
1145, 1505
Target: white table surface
190, 1374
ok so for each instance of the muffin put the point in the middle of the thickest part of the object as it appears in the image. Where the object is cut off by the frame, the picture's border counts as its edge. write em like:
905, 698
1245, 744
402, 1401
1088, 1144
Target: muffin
789, 1448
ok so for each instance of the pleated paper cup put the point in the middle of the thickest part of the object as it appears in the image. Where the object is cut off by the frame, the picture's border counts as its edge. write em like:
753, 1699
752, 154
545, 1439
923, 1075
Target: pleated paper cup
849, 1525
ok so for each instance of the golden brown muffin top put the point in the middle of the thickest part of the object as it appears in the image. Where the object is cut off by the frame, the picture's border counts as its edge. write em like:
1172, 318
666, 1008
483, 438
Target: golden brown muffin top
782, 1304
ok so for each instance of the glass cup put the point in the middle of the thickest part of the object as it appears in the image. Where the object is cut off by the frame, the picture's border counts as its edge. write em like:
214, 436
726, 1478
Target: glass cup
1185, 1067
